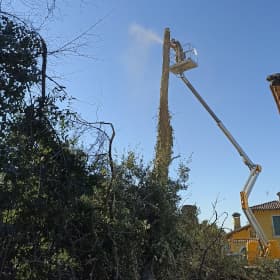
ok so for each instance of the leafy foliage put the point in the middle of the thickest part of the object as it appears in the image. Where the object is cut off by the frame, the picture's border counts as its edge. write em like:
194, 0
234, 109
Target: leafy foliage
20, 49
64, 216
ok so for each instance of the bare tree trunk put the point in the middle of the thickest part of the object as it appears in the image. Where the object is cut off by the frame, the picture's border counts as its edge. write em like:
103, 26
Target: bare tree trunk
164, 137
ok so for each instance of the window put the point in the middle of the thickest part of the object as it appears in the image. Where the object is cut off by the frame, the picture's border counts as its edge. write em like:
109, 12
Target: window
276, 225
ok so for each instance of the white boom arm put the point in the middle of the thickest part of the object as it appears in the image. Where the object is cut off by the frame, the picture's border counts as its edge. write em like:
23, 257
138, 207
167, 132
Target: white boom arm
255, 169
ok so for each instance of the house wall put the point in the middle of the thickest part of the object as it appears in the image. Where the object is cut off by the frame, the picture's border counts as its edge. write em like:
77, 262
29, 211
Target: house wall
264, 217
237, 239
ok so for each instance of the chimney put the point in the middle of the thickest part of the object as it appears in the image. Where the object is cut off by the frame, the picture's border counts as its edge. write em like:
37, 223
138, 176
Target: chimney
236, 221
278, 196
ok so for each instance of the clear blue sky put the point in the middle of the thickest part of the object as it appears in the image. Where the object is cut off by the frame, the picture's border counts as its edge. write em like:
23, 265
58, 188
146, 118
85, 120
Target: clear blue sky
238, 45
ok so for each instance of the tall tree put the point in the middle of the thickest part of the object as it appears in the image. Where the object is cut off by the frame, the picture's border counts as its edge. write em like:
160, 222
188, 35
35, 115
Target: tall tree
164, 131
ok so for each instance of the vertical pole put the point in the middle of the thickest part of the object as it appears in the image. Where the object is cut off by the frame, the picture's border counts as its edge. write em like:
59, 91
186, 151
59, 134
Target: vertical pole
164, 130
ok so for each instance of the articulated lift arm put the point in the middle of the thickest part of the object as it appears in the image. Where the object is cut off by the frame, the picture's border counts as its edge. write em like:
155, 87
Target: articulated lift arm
255, 169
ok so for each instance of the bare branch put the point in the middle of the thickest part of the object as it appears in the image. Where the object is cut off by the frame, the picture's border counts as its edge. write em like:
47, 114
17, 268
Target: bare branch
216, 237
73, 44
96, 125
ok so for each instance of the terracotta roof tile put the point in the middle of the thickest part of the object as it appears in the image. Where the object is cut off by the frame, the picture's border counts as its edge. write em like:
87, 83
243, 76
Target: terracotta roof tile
271, 205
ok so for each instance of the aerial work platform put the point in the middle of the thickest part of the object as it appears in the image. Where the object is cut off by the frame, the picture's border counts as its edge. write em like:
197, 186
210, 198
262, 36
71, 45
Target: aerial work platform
184, 57
181, 67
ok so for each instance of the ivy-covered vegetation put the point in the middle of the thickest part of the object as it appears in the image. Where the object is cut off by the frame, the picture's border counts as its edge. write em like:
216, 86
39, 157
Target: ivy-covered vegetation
67, 212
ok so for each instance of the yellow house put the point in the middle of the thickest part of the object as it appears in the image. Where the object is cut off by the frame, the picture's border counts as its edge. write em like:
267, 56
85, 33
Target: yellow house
268, 216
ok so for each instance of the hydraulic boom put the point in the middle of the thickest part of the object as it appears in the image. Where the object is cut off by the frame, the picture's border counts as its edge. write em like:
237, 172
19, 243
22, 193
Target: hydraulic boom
255, 169
267, 248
